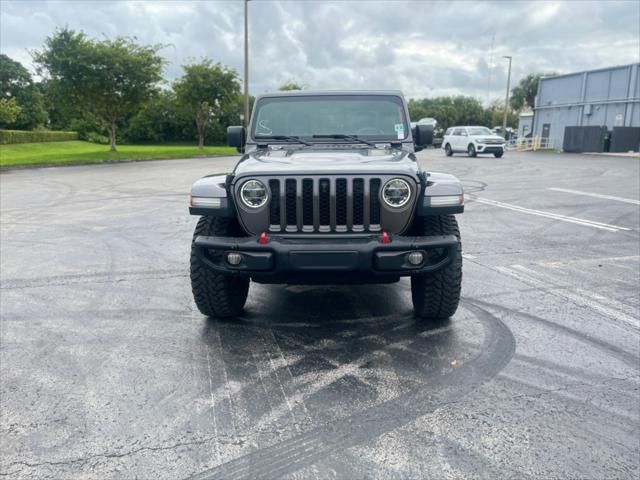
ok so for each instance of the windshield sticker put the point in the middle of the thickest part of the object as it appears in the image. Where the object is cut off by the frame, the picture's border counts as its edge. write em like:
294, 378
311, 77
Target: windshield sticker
264, 128
399, 127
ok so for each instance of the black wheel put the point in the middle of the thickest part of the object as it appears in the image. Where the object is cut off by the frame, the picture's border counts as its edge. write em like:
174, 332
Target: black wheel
217, 295
436, 295
498, 154
447, 150
471, 150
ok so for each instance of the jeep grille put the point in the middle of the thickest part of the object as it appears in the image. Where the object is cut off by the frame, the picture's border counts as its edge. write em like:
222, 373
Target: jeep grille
324, 204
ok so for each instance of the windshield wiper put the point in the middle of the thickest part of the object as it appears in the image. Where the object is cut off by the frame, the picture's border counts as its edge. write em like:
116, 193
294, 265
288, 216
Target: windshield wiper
288, 138
345, 137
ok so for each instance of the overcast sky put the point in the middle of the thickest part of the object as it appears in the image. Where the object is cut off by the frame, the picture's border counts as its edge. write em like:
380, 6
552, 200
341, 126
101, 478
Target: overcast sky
424, 48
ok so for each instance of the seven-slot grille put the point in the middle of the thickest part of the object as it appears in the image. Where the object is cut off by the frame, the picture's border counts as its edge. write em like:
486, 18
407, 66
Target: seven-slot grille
324, 204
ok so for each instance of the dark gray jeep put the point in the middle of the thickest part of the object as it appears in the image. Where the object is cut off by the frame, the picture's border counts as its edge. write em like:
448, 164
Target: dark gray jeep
327, 191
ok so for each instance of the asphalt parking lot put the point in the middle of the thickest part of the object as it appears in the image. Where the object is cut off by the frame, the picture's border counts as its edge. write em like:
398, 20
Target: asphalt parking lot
107, 370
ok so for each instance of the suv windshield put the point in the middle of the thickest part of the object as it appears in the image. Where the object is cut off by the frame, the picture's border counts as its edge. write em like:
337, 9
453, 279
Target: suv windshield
479, 131
370, 117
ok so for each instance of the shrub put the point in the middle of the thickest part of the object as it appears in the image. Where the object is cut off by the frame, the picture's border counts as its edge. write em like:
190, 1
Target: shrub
85, 126
35, 136
94, 137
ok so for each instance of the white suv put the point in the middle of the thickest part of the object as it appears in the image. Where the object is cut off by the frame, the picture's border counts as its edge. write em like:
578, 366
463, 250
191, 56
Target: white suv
472, 140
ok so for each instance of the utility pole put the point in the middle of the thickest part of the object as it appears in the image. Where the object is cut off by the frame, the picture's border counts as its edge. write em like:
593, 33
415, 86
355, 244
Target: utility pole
246, 63
506, 99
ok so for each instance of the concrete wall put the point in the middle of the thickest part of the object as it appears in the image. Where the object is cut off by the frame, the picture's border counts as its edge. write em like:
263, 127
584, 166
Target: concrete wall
525, 123
607, 97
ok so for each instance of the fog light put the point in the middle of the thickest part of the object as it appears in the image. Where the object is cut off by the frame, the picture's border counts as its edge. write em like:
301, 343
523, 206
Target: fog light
415, 258
234, 258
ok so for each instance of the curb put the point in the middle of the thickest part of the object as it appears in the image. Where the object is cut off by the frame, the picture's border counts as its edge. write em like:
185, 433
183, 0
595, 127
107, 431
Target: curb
102, 162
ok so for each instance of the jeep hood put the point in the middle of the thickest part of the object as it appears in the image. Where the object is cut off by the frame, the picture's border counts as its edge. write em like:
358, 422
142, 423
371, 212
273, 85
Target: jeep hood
326, 161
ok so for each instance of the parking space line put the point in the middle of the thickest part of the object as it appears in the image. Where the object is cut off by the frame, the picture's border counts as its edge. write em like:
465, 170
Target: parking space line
631, 280
212, 410
555, 216
596, 195
610, 302
580, 297
629, 263
609, 260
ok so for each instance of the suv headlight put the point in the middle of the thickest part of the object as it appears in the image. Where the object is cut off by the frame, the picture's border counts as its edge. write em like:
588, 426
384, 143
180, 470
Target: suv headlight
396, 193
253, 193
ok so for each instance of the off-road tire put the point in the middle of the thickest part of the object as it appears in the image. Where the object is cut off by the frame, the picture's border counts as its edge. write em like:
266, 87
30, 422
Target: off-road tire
215, 294
436, 295
498, 155
471, 150
447, 150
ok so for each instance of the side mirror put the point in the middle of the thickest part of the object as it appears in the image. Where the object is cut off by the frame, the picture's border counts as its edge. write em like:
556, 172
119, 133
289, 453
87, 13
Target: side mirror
422, 137
236, 138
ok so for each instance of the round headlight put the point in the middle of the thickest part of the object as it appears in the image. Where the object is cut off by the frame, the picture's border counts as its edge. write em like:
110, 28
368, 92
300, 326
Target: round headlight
396, 193
254, 194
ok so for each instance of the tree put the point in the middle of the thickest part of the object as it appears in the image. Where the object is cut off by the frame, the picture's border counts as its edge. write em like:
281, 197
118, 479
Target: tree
448, 111
205, 91
33, 112
469, 111
16, 83
291, 85
524, 94
109, 79
61, 113
417, 109
162, 120
13, 77
9, 111
496, 115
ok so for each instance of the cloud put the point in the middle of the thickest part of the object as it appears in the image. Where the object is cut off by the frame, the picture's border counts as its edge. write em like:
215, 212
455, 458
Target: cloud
544, 14
423, 48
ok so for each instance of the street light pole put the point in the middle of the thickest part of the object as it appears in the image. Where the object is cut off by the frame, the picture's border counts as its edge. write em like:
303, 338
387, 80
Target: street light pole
246, 62
506, 99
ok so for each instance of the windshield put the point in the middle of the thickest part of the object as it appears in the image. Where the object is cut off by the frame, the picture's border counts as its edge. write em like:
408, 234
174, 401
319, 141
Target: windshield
372, 117
479, 131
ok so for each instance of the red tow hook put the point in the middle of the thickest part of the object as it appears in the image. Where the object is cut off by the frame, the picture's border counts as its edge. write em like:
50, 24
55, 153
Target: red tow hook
263, 238
384, 238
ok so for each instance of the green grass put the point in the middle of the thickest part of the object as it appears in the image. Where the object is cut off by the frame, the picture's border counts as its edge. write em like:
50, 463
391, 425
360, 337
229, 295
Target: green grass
77, 152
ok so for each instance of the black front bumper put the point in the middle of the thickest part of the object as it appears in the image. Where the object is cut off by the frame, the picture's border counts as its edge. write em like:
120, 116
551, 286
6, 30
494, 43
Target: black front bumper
293, 256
